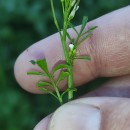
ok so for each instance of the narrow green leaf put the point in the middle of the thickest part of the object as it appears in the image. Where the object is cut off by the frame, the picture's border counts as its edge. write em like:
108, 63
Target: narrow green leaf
63, 6
90, 30
69, 89
47, 91
33, 62
42, 84
54, 17
43, 65
83, 58
62, 76
72, 26
58, 67
36, 73
67, 4
86, 37
78, 1
69, 37
84, 22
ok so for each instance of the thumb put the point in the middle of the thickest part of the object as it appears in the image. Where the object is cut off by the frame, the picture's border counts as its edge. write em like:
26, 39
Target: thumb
76, 116
91, 114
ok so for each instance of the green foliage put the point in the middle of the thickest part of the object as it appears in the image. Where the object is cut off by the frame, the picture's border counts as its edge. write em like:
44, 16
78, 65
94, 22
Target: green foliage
62, 76
67, 90
69, 10
43, 65
83, 57
21, 24
58, 67
33, 62
83, 25
36, 73
42, 84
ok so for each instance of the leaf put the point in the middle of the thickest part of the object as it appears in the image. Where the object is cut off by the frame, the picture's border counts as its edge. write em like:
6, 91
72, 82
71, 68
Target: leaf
47, 91
84, 22
42, 83
43, 65
62, 76
78, 1
36, 73
90, 30
54, 17
33, 62
69, 89
83, 58
72, 26
69, 37
58, 67
86, 37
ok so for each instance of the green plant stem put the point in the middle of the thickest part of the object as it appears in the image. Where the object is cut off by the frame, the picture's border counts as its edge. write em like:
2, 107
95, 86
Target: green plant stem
67, 57
56, 90
54, 16
63, 7
70, 83
65, 27
65, 49
69, 8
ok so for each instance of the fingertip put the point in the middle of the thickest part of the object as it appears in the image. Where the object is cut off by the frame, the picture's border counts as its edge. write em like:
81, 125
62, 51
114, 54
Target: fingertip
39, 50
22, 66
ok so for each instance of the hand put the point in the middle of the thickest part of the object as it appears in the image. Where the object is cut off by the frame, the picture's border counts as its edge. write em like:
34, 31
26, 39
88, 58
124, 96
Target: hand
107, 108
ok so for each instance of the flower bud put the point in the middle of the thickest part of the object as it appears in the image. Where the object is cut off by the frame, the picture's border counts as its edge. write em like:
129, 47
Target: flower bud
72, 14
73, 2
71, 46
76, 8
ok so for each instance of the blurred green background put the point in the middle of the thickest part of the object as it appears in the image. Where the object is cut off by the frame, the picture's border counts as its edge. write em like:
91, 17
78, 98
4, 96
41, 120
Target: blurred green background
22, 23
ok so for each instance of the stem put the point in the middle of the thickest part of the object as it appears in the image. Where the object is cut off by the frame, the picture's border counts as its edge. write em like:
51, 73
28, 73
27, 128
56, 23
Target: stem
64, 44
66, 11
65, 27
66, 53
70, 83
54, 17
56, 90
63, 7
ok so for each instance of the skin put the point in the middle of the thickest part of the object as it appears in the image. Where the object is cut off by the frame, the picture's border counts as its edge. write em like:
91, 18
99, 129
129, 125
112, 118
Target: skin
106, 108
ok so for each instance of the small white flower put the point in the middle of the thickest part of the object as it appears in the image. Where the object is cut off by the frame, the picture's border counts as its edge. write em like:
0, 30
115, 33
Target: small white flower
71, 46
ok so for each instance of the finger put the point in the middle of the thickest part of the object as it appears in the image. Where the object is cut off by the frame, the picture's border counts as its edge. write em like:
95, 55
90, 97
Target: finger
92, 114
116, 87
42, 125
109, 50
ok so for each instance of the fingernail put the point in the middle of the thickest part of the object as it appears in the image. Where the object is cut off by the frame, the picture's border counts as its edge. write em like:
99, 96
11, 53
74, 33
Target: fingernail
76, 117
